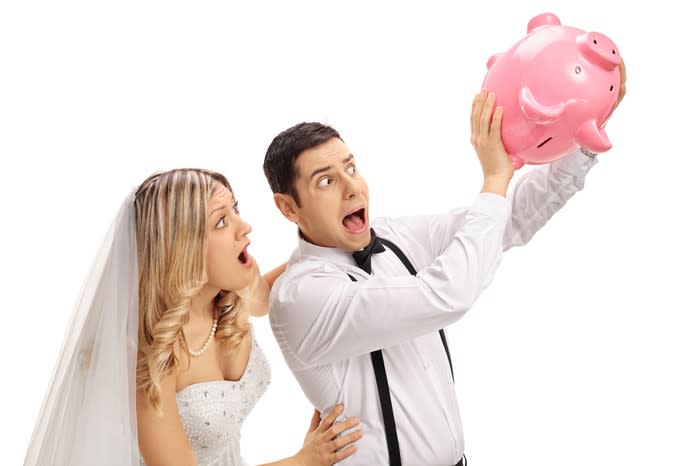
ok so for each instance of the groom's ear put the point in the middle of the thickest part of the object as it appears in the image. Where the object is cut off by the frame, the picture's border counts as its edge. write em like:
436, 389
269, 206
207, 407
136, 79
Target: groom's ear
288, 206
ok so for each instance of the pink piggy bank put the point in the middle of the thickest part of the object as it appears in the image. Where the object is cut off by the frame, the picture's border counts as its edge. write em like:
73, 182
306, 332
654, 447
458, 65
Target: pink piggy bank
557, 87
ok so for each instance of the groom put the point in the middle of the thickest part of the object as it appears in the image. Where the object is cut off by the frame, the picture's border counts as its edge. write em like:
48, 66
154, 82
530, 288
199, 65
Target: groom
359, 312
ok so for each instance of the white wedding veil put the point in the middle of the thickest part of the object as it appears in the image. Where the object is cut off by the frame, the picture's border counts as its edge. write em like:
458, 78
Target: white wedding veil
89, 416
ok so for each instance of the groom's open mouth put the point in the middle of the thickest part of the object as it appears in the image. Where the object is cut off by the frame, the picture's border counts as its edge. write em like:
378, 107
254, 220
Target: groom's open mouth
356, 221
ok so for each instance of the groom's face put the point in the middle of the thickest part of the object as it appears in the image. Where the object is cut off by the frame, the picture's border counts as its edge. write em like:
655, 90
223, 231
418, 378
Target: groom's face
333, 209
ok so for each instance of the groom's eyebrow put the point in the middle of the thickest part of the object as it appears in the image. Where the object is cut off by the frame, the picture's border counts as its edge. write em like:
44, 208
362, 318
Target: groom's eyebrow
318, 170
323, 169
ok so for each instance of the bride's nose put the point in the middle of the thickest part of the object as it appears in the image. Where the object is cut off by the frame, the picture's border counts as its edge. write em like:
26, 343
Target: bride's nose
242, 228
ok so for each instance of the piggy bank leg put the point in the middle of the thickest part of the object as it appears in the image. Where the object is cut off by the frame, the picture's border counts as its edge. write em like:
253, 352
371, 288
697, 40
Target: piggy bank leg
590, 136
517, 161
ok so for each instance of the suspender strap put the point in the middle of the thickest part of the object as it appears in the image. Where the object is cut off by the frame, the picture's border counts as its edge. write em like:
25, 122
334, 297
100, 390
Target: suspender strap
399, 253
447, 351
392, 438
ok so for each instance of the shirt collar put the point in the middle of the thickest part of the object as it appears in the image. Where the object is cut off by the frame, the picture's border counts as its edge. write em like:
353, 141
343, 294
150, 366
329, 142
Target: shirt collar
334, 255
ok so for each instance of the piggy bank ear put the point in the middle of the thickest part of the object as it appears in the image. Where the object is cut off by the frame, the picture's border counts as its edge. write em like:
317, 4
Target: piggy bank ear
591, 137
537, 112
545, 19
492, 60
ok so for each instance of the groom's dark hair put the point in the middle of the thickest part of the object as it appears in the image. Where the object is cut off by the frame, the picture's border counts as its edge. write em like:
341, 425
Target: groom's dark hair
284, 150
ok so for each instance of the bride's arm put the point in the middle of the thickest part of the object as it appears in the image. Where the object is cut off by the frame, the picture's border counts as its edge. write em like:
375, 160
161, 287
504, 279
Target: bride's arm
162, 438
326, 442
274, 274
256, 296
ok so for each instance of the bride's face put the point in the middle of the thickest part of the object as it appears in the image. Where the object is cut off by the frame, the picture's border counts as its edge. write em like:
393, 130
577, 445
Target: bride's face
229, 266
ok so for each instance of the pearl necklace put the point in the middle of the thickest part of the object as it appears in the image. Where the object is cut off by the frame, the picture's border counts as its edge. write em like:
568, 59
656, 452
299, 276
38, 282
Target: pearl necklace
214, 324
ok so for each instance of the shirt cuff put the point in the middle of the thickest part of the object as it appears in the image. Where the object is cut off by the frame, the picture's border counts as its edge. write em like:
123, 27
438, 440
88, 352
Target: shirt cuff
576, 163
492, 205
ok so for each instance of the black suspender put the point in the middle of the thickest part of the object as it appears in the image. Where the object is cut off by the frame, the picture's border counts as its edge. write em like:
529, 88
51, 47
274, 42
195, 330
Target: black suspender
399, 253
392, 438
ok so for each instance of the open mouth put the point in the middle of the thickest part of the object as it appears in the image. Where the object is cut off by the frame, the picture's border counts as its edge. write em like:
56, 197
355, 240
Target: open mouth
355, 221
544, 142
244, 257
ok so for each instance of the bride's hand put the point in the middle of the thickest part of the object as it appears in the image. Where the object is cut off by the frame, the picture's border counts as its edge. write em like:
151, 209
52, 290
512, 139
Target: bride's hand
323, 442
254, 296
271, 276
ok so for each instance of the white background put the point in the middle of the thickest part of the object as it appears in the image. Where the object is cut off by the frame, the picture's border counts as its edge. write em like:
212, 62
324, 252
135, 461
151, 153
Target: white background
584, 351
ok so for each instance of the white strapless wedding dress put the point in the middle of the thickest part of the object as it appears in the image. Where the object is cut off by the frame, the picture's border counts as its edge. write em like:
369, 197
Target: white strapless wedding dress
212, 413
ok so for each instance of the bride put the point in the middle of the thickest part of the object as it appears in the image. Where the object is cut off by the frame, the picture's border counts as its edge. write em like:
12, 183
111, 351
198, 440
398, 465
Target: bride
160, 365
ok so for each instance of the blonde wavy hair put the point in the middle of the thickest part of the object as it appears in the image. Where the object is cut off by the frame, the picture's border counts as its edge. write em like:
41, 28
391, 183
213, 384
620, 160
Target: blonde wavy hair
171, 238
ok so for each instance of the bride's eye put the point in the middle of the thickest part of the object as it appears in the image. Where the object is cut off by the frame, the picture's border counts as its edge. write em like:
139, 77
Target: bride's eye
221, 223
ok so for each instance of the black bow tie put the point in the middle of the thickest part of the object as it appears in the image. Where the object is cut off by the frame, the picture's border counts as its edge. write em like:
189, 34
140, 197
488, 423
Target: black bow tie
363, 258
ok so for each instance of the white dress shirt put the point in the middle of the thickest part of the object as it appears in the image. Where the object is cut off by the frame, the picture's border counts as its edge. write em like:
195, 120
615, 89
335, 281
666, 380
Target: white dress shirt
327, 325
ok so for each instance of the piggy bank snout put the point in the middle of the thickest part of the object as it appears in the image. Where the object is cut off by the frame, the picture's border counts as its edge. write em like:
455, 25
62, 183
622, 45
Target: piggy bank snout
599, 50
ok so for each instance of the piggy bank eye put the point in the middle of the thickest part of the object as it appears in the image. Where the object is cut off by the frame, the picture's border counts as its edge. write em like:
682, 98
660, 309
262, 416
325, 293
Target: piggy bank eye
577, 70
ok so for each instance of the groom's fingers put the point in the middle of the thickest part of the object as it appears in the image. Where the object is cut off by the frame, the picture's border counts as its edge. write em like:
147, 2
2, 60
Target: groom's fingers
477, 111
496, 123
487, 115
473, 118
